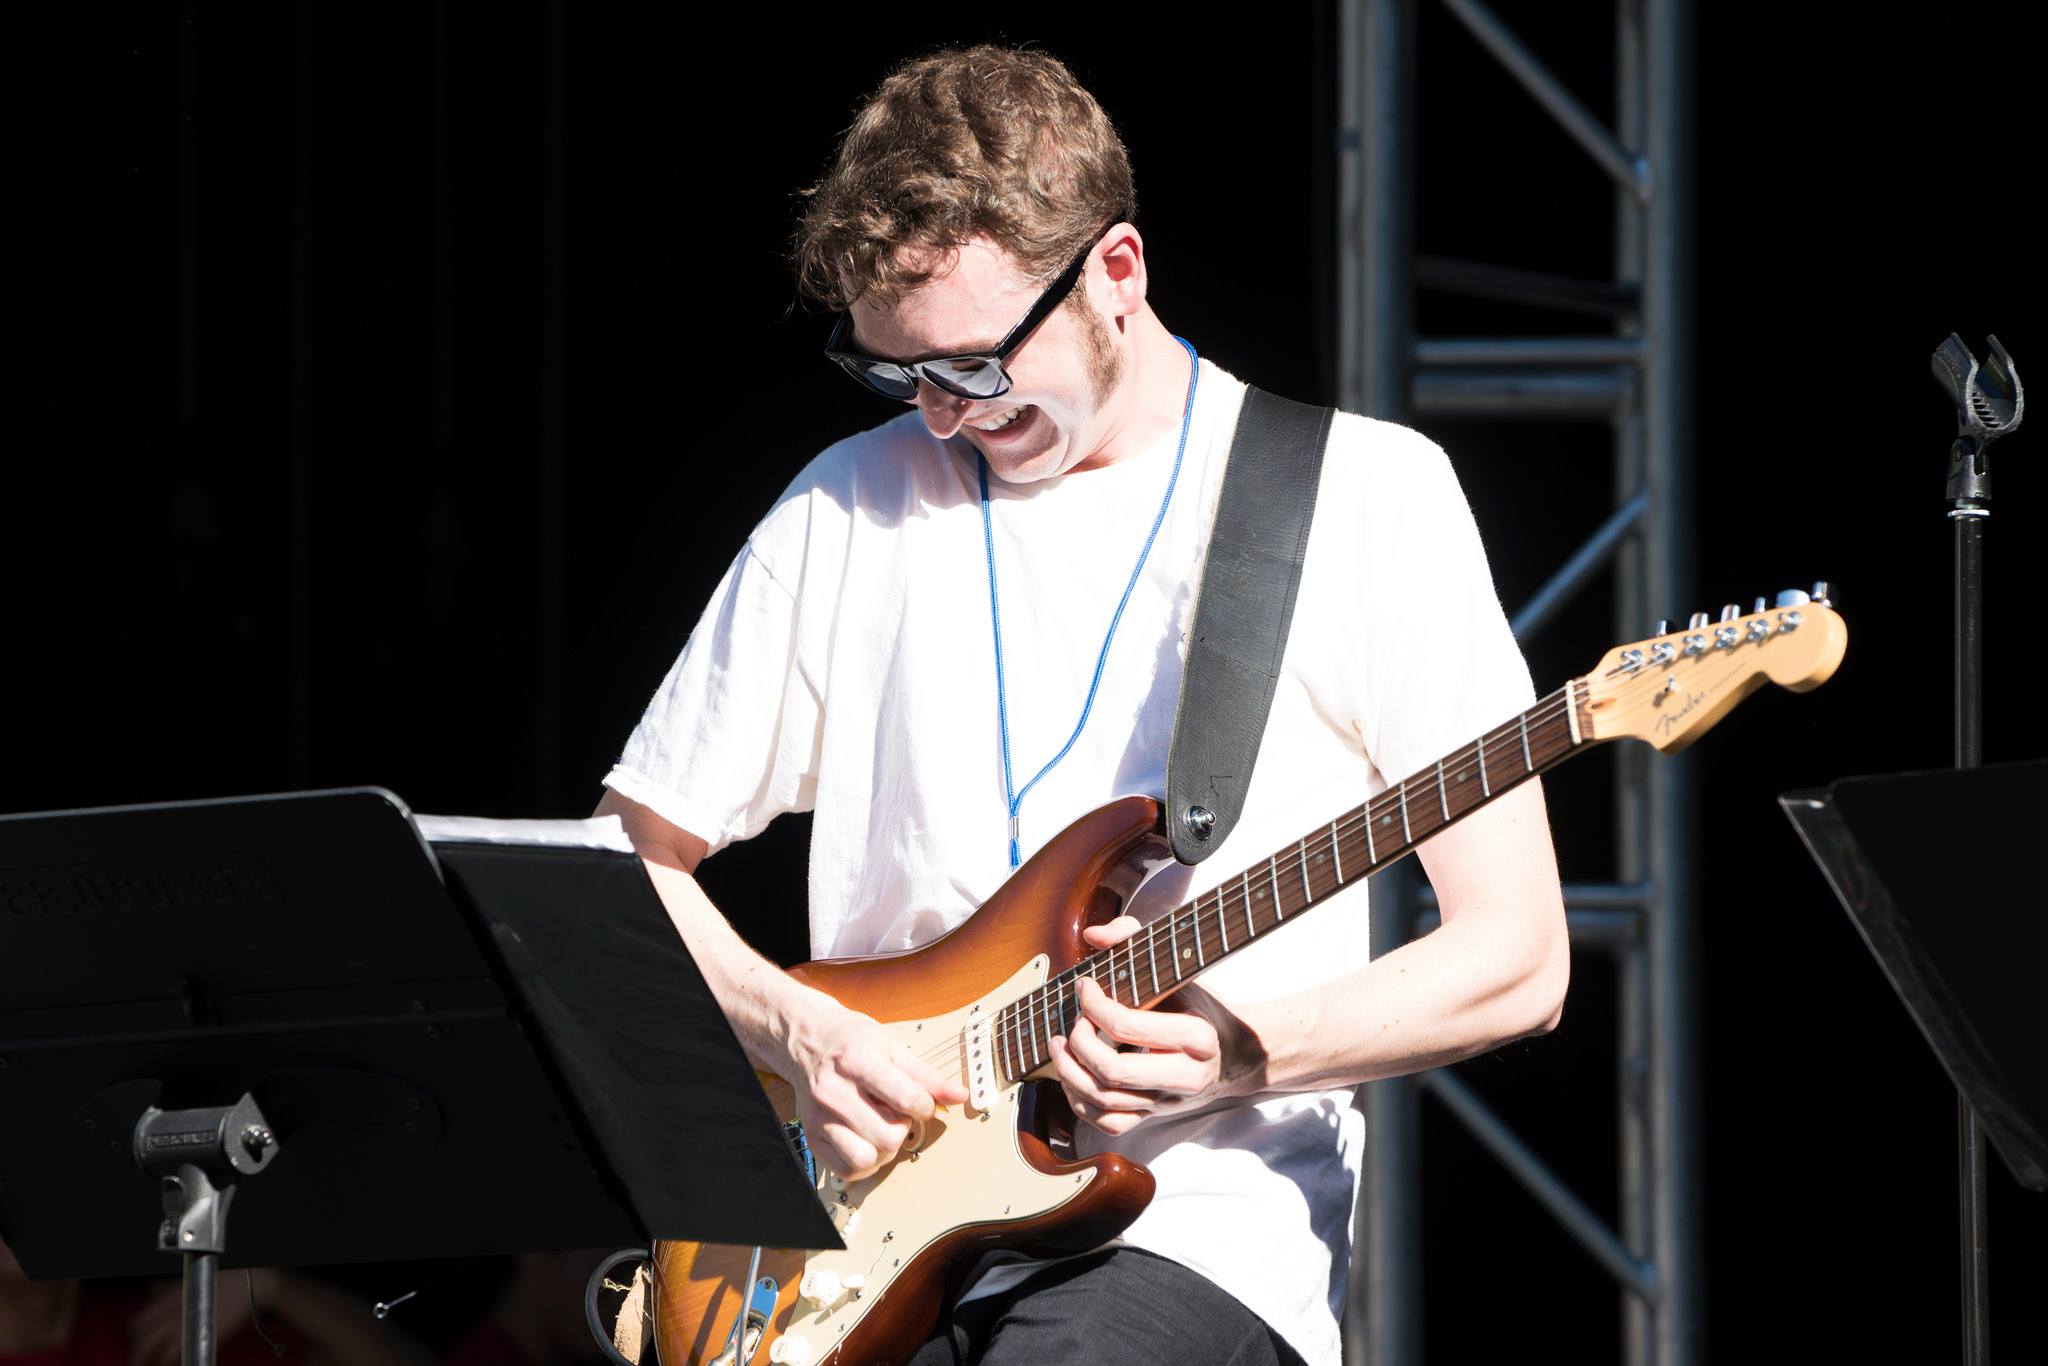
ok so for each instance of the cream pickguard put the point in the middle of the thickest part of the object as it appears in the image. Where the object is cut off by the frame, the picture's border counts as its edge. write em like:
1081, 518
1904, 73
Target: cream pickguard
976, 1176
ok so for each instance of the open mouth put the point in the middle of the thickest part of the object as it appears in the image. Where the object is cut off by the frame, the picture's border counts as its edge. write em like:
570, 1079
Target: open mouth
1005, 426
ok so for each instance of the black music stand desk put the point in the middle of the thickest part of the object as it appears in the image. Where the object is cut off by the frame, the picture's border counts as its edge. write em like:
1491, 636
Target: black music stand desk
1942, 873
489, 1045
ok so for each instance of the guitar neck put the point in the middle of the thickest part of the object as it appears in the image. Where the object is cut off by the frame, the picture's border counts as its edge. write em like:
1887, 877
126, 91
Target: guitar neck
1153, 963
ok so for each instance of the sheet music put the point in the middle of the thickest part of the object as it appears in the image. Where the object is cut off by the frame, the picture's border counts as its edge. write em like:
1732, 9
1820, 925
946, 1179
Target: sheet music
598, 832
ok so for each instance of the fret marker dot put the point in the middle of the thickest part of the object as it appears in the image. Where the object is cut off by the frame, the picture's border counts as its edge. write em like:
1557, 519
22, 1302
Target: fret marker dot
1187, 953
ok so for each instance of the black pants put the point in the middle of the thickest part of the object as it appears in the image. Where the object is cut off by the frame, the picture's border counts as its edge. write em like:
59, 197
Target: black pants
1119, 1306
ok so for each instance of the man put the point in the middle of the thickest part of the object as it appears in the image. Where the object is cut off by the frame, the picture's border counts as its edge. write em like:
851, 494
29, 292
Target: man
1004, 577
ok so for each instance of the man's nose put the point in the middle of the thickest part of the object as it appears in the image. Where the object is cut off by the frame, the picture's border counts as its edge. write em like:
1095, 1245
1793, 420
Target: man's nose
943, 412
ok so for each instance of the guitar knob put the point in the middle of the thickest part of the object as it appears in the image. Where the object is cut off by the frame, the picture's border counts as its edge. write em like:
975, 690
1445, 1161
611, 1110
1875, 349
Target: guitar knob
820, 1287
1793, 597
790, 1351
1729, 611
1699, 619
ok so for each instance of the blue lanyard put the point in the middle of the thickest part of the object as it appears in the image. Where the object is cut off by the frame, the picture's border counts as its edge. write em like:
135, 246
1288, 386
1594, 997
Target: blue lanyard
995, 612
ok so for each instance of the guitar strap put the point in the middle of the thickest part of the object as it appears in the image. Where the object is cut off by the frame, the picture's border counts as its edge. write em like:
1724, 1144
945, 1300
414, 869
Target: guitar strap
1250, 576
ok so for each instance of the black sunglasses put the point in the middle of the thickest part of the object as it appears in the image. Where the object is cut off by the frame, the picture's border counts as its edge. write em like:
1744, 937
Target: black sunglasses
978, 374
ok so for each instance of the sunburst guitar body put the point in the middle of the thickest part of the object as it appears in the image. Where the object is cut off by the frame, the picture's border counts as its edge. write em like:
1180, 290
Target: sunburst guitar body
977, 1176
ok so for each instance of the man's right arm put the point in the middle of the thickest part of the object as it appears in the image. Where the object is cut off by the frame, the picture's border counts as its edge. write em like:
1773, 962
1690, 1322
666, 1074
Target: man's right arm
858, 1089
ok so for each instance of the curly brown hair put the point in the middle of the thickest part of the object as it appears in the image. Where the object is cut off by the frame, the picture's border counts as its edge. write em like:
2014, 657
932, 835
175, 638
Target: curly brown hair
963, 143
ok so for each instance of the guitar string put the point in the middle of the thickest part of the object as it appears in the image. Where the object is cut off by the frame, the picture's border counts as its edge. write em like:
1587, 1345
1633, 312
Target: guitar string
1057, 994
1011, 1029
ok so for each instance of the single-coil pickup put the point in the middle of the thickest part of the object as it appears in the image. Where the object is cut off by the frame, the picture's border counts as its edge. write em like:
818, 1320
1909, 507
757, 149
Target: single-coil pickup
981, 1067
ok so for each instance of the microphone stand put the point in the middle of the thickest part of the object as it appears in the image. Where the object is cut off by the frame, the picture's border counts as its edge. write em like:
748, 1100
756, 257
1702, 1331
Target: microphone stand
1989, 401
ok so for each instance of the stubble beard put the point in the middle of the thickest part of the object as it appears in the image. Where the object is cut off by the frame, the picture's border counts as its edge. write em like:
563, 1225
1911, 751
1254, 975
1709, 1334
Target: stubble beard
1106, 364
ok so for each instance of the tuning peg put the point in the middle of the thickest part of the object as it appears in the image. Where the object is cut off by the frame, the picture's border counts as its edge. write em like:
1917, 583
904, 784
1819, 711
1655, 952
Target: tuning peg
1761, 604
1824, 594
1663, 628
1793, 597
1699, 619
1729, 611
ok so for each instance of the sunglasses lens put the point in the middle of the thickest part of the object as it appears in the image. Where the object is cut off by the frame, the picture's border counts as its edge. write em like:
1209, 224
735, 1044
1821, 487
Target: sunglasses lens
973, 377
890, 381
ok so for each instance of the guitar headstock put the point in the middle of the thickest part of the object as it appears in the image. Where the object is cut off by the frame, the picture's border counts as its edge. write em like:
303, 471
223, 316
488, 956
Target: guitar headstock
1671, 688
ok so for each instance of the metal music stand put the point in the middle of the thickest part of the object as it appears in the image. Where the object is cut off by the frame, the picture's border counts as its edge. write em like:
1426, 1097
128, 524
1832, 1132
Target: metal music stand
1941, 872
392, 1052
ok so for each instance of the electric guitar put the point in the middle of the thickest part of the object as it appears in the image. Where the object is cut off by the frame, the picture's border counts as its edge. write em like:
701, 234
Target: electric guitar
988, 998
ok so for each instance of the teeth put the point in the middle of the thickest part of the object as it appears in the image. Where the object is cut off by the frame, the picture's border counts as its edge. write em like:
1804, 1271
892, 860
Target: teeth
999, 423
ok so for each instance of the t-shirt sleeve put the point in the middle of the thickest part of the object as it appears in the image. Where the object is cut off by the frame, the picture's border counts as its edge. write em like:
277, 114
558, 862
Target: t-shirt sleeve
731, 738
1439, 662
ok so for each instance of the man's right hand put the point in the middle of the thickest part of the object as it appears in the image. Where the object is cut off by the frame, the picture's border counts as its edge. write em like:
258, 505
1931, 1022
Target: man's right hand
860, 1089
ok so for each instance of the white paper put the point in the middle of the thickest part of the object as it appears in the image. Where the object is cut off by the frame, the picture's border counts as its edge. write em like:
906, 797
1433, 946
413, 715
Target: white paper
598, 832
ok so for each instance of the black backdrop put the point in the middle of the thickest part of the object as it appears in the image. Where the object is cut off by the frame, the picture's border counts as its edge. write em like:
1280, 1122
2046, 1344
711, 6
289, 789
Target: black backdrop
398, 380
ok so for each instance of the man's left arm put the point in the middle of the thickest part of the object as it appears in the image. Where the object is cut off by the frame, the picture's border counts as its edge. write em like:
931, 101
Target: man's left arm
1494, 970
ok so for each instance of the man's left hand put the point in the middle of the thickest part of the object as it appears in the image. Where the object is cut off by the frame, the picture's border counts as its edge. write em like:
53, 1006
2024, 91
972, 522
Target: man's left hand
1189, 1052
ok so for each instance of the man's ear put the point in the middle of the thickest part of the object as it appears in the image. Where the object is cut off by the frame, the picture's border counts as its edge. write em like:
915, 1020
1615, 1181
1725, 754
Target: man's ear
1123, 259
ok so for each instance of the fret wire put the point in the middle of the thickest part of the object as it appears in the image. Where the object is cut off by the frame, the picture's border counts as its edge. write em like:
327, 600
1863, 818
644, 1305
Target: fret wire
1006, 1027
1366, 817
1042, 1000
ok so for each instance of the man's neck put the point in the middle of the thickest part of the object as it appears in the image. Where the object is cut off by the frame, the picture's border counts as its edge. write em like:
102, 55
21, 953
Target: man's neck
1153, 395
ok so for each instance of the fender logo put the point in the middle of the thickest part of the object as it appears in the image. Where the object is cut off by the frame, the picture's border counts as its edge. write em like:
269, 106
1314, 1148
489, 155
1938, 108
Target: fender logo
1667, 724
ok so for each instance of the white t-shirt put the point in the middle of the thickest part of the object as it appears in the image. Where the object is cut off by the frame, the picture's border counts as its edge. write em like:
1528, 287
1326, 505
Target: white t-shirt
846, 665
